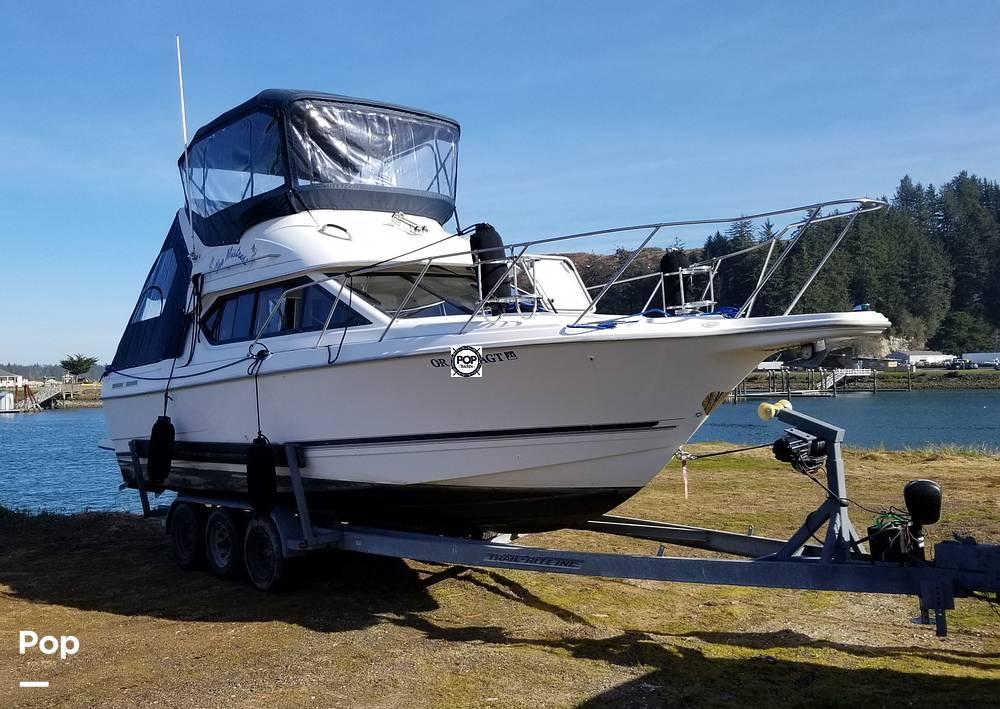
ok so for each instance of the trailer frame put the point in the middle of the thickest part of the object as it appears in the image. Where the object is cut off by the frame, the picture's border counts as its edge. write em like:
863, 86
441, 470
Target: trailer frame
960, 568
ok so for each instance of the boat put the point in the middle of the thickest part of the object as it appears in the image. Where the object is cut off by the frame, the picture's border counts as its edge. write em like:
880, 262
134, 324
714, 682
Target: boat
309, 294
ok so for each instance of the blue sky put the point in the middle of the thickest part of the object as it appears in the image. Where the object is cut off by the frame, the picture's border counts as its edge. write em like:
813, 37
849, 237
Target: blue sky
575, 115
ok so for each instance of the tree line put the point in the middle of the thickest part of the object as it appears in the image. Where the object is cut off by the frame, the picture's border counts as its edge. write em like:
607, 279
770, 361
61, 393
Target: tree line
78, 365
930, 262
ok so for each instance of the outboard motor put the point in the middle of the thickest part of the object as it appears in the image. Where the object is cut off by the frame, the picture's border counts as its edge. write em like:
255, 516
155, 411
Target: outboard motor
671, 262
486, 240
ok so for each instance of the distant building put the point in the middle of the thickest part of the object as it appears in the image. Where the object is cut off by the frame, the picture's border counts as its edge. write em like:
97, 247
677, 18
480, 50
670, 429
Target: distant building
881, 363
6, 401
987, 358
922, 358
10, 380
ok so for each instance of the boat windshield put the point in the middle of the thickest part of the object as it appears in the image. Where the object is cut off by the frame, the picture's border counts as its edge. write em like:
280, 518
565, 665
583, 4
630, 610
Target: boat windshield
442, 291
333, 143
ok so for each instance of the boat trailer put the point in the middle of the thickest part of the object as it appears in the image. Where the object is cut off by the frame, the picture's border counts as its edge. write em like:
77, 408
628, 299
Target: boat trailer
838, 562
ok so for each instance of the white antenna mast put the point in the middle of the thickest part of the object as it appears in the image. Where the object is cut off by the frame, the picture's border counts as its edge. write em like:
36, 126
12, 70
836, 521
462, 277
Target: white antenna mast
184, 132
180, 82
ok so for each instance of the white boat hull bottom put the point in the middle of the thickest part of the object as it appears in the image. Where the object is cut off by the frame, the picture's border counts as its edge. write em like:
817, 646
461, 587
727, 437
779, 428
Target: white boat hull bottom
529, 481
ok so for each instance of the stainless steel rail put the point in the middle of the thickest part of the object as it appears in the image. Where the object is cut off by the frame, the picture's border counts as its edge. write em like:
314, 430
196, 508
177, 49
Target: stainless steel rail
708, 268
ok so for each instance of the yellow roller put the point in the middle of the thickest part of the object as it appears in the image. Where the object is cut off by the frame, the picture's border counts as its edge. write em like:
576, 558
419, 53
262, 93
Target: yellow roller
767, 411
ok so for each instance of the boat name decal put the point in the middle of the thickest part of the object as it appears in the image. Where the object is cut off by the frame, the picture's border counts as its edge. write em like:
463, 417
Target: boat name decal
233, 253
470, 360
526, 560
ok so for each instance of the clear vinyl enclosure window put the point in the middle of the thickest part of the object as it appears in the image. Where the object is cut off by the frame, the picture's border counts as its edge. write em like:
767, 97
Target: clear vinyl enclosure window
235, 163
334, 144
156, 288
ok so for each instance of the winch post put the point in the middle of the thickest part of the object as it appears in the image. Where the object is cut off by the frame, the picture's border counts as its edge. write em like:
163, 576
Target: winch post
841, 536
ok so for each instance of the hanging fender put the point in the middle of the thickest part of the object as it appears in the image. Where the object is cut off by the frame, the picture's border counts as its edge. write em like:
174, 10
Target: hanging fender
161, 450
262, 479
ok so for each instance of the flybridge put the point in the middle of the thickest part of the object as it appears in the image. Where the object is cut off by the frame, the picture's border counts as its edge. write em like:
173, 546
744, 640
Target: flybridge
284, 152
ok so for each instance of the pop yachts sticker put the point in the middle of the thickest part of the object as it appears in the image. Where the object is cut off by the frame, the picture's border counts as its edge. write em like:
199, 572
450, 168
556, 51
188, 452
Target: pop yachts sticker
468, 360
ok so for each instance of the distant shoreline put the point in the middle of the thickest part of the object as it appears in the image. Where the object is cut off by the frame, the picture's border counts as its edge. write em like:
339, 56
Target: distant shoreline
80, 404
921, 380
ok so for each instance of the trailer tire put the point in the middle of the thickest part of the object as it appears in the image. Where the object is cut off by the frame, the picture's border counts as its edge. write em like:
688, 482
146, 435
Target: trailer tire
187, 537
224, 543
266, 565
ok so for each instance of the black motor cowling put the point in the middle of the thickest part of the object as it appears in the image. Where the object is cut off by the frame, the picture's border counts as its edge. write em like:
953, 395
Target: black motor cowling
486, 240
672, 261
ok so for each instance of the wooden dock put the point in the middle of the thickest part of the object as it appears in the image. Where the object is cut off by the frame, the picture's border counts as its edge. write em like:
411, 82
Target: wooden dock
45, 398
819, 382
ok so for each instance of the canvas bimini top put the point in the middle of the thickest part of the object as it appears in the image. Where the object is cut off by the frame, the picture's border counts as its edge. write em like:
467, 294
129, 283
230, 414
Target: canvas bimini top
284, 152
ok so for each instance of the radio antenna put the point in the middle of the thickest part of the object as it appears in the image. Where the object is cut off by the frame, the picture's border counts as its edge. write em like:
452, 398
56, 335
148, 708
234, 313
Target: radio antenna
184, 133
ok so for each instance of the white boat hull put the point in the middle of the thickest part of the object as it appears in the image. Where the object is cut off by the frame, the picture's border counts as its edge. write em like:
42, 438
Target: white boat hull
587, 419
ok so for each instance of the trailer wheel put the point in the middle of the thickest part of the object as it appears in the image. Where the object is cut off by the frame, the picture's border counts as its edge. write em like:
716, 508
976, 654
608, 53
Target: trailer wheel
266, 564
224, 543
187, 536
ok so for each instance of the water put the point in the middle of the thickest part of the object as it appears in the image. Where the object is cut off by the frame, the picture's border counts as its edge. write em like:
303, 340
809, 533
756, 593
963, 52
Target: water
893, 420
51, 460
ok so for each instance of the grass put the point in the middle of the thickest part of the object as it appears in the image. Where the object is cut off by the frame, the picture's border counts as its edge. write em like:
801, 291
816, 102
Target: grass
385, 633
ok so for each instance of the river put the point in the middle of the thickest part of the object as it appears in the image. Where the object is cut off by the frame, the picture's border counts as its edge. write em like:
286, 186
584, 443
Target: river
51, 461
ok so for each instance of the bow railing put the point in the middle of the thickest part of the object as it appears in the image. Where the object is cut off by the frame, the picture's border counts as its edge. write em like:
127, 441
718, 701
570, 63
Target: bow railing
517, 260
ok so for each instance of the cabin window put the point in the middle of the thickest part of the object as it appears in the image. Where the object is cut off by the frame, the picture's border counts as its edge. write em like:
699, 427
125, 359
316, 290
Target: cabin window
266, 300
441, 292
305, 310
233, 319
156, 288
235, 163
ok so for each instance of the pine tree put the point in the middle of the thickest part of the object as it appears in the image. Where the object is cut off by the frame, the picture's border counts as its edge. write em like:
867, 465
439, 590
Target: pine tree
969, 233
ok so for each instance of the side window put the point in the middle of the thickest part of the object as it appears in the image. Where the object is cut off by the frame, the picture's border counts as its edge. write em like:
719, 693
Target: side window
266, 300
231, 318
157, 286
242, 316
316, 307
